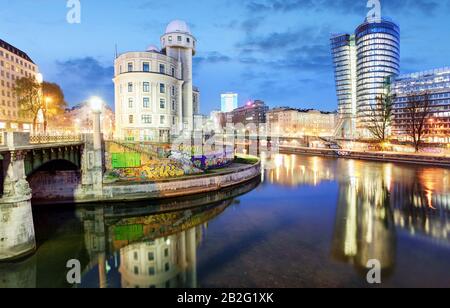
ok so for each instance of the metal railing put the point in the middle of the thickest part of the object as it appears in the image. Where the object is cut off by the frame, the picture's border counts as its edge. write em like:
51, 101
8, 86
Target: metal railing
45, 139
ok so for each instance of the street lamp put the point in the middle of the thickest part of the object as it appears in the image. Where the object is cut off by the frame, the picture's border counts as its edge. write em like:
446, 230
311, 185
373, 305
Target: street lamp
96, 104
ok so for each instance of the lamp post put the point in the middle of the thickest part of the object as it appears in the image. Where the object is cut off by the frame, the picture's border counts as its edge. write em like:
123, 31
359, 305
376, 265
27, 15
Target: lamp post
96, 104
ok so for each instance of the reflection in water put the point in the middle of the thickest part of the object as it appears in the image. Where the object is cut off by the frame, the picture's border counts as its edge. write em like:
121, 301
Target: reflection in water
374, 201
150, 251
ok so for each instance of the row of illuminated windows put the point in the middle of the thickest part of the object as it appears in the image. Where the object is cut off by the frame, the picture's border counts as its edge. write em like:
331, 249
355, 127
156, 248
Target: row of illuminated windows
370, 39
17, 60
146, 86
8, 75
9, 104
148, 119
431, 96
378, 60
376, 47
15, 69
378, 52
146, 67
376, 32
378, 71
146, 104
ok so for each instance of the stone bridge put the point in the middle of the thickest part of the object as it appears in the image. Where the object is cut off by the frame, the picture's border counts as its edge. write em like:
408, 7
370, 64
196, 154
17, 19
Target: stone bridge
21, 155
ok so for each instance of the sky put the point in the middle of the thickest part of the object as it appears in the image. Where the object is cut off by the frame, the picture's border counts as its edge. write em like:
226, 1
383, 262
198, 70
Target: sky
274, 50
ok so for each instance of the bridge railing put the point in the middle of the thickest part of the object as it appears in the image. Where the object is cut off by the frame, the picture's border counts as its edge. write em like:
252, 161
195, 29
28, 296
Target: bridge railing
44, 139
2, 138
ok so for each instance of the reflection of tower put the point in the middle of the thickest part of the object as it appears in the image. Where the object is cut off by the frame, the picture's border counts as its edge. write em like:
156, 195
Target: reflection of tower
179, 43
364, 222
163, 263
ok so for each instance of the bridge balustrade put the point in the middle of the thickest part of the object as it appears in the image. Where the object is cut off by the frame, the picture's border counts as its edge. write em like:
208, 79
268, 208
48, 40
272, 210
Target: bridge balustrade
44, 139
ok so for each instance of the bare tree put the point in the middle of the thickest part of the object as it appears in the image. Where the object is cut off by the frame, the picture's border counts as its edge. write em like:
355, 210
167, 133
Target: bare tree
380, 116
27, 89
418, 108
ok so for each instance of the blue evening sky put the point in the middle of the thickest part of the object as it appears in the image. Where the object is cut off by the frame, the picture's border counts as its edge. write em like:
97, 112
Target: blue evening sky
274, 50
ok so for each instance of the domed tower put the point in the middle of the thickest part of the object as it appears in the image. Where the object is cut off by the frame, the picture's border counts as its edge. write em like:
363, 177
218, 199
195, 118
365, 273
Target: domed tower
179, 43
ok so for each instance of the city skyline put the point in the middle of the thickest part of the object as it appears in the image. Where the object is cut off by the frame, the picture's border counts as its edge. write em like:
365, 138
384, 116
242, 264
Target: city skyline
242, 53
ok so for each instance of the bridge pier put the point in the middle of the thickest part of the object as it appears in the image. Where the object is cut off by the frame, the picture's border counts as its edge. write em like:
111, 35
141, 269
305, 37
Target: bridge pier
17, 236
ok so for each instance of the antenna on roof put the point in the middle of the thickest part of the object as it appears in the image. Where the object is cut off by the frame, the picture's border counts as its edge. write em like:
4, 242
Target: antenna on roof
116, 51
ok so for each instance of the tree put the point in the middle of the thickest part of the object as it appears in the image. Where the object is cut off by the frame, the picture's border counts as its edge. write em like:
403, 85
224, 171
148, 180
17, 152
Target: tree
380, 116
27, 90
418, 109
53, 103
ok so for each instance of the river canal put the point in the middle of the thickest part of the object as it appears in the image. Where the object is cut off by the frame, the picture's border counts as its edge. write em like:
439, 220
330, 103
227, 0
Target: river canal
309, 222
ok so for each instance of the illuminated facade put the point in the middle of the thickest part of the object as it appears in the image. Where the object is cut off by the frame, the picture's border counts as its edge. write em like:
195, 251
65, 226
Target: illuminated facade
437, 84
344, 58
377, 59
290, 122
229, 102
154, 94
14, 64
252, 114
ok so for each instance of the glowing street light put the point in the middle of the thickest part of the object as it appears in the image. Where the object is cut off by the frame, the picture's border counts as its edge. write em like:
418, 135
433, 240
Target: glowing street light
96, 104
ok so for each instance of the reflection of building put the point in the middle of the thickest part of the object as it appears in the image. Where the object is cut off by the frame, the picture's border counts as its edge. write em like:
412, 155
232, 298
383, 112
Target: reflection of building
298, 123
364, 227
377, 58
229, 102
14, 64
253, 113
437, 84
154, 93
163, 263
290, 170
79, 119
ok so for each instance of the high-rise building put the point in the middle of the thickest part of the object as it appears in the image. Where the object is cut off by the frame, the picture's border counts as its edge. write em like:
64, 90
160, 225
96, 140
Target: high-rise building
344, 57
436, 85
154, 95
370, 58
14, 64
229, 102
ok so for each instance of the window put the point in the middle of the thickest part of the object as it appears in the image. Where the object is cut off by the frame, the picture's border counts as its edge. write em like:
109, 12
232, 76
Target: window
167, 267
135, 255
162, 103
173, 71
170, 38
130, 87
173, 121
130, 67
162, 120
147, 119
146, 87
130, 119
151, 271
179, 38
151, 256
173, 105
136, 270
130, 103
162, 68
146, 67
166, 252
146, 102
188, 40
162, 88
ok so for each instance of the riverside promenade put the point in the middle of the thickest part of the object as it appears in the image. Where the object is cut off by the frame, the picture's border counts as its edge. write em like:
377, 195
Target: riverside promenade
394, 157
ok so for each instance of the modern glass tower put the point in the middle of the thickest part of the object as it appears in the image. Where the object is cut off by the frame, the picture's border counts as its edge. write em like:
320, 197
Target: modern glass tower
344, 57
378, 58
362, 64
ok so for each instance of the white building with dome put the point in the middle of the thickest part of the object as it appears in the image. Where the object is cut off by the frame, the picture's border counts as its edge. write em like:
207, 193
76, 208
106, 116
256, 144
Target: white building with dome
155, 99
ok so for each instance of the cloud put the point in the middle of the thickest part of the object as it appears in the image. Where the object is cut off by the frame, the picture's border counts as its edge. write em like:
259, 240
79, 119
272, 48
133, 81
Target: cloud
212, 57
346, 6
81, 78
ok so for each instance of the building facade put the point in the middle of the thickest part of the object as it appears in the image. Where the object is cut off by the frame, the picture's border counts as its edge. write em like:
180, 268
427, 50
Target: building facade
252, 114
14, 64
154, 95
377, 58
344, 58
436, 84
229, 102
289, 122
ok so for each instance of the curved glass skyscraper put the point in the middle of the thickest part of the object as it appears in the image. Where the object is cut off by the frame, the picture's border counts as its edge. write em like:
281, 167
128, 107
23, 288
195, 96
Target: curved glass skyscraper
378, 57
362, 63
